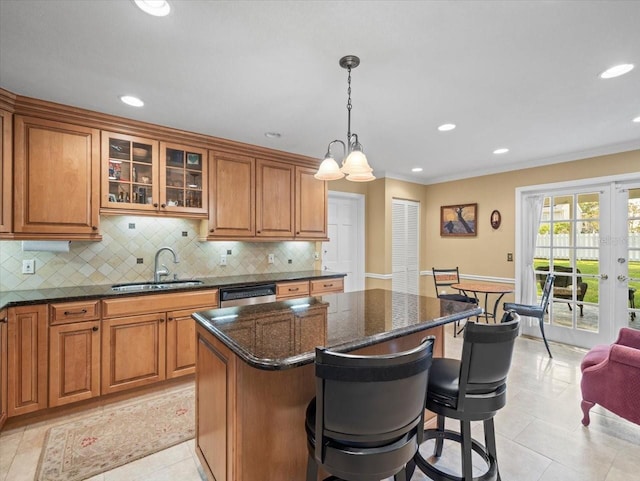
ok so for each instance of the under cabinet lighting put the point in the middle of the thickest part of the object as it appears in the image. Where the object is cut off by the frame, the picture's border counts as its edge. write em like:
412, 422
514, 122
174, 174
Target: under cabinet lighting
157, 8
617, 70
132, 101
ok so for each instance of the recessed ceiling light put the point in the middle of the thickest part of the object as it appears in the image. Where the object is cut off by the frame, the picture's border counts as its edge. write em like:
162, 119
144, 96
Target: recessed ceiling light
501, 151
272, 135
617, 70
446, 127
416, 169
131, 100
637, 119
157, 8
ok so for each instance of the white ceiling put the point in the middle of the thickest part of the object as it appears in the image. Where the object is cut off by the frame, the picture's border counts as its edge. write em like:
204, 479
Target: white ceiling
516, 74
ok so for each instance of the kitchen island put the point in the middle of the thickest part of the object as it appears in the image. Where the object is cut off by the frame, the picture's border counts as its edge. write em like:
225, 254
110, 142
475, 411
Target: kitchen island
255, 371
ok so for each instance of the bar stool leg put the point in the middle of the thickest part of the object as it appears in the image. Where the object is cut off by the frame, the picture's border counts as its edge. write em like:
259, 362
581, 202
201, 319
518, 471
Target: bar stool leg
490, 443
437, 452
467, 467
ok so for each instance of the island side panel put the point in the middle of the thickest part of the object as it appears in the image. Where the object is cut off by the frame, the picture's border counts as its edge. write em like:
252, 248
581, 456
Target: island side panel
215, 406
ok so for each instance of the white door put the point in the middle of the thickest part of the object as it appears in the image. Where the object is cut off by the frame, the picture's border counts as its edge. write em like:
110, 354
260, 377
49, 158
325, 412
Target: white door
345, 250
404, 246
589, 237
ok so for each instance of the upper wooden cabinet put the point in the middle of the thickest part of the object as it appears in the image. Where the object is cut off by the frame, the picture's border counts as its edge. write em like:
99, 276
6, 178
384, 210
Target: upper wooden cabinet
146, 176
56, 179
264, 200
6, 171
232, 182
311, 205
4, 372
274, 199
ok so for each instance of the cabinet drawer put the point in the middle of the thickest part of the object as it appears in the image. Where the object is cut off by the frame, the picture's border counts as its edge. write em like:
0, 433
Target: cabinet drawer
321, 286
129, 306
65, 312
286, 290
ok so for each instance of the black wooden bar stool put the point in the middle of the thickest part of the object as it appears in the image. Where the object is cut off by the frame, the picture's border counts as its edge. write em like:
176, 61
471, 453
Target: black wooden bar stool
471, 389
366, 421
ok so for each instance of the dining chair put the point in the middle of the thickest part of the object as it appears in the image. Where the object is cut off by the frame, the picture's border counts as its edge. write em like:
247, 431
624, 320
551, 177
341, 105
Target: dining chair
444, 278
473, 388
538, 311
366, 421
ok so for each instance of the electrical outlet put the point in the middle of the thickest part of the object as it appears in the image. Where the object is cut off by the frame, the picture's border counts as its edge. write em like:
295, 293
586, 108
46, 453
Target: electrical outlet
223, 260
139, 260
509, 257
316, 256
229, 252
271, 258
29, 266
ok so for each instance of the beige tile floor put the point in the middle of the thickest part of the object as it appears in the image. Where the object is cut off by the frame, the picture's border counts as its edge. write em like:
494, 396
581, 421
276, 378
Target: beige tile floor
539, 434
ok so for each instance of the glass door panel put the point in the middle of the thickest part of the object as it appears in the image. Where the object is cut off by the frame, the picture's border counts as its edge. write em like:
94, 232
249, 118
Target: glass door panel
633, 257
184, 173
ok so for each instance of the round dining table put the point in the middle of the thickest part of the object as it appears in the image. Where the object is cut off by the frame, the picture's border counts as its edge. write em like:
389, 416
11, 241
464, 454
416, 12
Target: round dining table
485, 288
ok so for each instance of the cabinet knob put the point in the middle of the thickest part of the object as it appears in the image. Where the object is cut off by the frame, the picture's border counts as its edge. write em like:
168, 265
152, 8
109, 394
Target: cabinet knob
94, 227
161, 319
211, 230
155, 205
4, 319
259, 231
163, 205
170, 318
297, 233
94, 328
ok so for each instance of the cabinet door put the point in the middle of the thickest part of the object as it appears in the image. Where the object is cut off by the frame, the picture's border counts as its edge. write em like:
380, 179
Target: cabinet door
130, 180
183, 179
275, 336
6, 171
274, 199
133, 351
27, 332
74, 362
3, 366
232, 202
181, 343
311, 329
56, 179
311, 205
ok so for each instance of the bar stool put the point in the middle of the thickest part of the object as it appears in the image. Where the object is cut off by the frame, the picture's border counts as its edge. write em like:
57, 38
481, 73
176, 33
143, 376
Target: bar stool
366, 421
471, 389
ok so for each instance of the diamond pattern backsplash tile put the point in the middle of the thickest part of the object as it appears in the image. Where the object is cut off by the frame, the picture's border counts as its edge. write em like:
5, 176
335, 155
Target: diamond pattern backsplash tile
114, 259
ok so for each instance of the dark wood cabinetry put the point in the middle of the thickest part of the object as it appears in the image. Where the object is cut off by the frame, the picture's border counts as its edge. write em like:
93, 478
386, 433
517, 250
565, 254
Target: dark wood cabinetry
6, 171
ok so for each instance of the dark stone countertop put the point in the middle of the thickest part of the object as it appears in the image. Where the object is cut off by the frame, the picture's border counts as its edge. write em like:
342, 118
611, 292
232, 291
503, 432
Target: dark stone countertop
79, 293
282, 335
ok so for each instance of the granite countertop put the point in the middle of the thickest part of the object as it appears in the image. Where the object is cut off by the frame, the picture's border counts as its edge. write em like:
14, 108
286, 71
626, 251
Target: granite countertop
78, 293
282, 335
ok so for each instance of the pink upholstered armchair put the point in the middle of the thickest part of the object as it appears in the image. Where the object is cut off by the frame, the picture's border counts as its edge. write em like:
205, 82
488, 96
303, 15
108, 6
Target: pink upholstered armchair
611, 377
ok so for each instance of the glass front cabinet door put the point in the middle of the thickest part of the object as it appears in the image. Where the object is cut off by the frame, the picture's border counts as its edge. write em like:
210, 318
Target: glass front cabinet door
131, 167
183, 174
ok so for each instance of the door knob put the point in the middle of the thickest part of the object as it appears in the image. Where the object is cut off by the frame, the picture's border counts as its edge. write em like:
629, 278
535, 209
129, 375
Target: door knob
604, 277
621, 260
622, 278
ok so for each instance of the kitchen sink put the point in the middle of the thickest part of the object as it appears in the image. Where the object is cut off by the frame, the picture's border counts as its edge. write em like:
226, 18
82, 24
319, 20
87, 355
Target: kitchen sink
154, 286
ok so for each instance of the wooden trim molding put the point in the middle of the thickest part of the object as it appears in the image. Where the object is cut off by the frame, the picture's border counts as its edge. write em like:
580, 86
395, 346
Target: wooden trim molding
64, 113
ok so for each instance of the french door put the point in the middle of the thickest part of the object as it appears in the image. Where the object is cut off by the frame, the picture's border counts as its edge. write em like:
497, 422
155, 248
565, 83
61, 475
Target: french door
589, 237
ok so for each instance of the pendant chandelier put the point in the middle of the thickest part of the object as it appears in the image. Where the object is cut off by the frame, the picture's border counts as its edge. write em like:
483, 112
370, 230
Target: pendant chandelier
354, 164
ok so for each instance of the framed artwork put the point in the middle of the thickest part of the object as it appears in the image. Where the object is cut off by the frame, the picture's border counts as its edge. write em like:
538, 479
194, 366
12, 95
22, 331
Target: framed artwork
459, 220
496, 219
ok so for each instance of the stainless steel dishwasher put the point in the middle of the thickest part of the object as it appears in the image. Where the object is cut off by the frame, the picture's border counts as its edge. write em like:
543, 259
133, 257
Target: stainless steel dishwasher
242, 296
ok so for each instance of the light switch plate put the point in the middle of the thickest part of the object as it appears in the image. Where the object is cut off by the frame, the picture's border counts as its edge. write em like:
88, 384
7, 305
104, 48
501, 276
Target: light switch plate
223, 260
271, 258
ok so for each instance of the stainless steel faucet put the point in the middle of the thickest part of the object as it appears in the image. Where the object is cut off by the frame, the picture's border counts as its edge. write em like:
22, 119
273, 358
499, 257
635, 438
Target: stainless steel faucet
163, 271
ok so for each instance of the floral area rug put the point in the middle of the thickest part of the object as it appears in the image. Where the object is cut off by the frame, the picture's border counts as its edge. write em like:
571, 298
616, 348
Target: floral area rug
116, 436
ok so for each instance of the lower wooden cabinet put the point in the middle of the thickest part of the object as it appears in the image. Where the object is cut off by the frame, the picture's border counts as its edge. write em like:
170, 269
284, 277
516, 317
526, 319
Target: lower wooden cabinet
74, 362
133, 351
4, 319
27, 365
181, 343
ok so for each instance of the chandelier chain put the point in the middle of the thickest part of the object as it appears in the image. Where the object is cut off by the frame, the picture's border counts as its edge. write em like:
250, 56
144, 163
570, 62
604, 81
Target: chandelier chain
349, 110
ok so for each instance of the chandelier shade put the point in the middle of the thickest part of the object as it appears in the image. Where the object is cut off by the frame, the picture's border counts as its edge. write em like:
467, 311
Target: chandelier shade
354, 164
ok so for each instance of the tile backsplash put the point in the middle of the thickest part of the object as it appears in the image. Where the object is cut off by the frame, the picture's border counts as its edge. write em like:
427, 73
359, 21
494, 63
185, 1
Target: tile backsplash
114, 259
